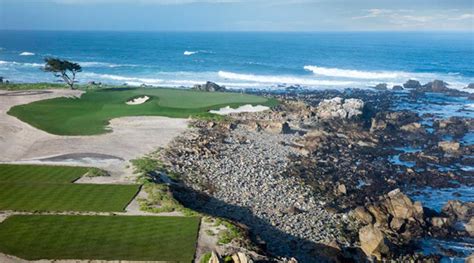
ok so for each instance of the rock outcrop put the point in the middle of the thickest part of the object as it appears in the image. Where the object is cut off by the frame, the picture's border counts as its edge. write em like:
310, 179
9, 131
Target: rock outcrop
412, 84
394, 219
209, 86
339, 108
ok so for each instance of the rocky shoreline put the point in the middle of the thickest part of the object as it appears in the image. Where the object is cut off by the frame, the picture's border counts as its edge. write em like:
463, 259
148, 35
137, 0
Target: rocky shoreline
322, 175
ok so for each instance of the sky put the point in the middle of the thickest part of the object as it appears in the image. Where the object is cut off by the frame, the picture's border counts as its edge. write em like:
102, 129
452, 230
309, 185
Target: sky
238, 15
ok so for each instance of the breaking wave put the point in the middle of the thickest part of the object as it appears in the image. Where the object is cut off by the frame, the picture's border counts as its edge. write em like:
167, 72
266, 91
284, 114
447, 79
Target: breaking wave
189, 53
354, 74
19, 64
271, 79
94, 64
27, 53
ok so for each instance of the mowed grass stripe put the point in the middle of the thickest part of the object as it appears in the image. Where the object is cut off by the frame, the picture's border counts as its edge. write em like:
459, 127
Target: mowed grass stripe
66, 197
100, 237
13, 173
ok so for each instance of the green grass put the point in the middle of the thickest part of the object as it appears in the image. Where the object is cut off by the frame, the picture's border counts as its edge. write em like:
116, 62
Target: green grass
31, 86
49, 188
100, 237
91, 113
13, 173
66, 197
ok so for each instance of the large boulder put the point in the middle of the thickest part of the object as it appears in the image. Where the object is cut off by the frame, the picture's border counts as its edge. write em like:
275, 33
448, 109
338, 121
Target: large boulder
412, 84
209, 86
436, 86
400, 206
339, 108
373, 242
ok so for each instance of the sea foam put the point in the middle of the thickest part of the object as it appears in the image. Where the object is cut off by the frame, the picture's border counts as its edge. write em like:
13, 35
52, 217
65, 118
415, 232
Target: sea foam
355, 74
27, 53
189, 53
277, 80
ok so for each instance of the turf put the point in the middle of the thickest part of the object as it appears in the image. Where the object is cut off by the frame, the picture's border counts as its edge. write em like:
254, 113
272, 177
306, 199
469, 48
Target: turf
100, 237
91, 113
66, 197
49, 188
12, 173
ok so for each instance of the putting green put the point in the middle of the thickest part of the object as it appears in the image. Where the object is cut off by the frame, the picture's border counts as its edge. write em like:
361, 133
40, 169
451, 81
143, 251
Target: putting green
141, 238
91, 113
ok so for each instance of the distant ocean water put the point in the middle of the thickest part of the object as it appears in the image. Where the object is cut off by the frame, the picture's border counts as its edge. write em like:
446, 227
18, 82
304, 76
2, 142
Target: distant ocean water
244, 60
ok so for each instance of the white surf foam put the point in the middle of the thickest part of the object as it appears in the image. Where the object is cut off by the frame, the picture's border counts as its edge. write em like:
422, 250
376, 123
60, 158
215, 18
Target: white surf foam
189, 53
355, 74
27, 53
103, 64
19, 64
277, 80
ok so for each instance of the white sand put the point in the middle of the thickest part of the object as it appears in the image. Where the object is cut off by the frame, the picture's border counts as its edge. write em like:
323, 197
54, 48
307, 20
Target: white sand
131, 137
245, 108
138, 101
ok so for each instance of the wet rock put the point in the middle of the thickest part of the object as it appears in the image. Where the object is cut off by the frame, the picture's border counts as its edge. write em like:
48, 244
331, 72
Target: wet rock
435, 86
470, 86
373, 242
381, 86
397, 87
412, 84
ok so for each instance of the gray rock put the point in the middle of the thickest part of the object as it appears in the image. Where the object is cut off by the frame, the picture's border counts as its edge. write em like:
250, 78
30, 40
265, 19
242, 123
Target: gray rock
412, 84
209, 86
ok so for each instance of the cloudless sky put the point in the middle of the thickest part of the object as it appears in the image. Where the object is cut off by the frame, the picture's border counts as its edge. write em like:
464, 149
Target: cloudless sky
238, 15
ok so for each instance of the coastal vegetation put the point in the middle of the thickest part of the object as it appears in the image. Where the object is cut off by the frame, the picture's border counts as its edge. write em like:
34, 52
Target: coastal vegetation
50, 188
90, 114
151, 238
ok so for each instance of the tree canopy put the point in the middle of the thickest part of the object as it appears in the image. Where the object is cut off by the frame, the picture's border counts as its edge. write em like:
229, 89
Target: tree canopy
62, 69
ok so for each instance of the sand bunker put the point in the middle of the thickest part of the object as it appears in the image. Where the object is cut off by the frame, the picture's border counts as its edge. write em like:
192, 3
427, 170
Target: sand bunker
138, 101
245, 108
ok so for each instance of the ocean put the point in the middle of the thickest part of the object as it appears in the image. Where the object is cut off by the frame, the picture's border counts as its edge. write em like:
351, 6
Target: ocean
246, 60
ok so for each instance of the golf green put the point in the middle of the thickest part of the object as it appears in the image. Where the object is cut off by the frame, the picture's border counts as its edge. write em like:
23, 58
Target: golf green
91, 113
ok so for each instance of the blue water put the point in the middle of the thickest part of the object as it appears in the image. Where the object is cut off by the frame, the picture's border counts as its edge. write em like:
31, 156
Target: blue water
243, 60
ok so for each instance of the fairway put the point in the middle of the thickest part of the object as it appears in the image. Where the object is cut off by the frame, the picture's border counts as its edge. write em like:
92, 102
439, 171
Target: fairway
91, 113
100, 237
49, 188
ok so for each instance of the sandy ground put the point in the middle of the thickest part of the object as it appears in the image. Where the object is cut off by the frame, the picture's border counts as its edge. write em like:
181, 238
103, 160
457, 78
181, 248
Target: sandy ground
131, 137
